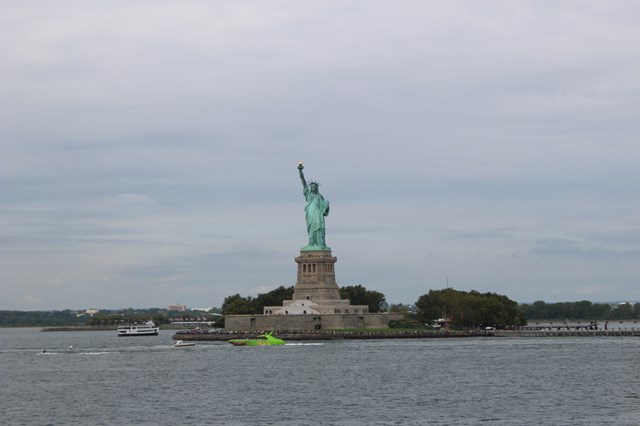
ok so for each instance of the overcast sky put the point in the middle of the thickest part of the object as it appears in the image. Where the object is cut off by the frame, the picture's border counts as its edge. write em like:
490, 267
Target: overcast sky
148, 149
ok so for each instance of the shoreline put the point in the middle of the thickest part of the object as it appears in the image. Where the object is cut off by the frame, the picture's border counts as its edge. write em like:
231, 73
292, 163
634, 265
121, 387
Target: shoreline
203, 335
333, 335
339, 335
78, 328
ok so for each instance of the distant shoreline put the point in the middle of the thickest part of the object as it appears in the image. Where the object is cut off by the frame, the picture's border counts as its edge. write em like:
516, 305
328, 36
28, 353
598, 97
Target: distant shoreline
91, 328
79, 328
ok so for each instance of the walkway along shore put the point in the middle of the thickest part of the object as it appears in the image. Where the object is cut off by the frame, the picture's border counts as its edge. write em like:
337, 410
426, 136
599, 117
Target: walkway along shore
204, 335
222, 336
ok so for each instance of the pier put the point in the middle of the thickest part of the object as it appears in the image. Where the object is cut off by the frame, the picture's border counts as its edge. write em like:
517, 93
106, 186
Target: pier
565, 333
573, 328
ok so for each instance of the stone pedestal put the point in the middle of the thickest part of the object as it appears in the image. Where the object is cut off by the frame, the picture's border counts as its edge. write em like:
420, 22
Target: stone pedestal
316, 276
316, 291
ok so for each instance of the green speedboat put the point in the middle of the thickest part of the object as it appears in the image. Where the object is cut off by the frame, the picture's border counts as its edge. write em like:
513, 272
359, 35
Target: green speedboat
262, 340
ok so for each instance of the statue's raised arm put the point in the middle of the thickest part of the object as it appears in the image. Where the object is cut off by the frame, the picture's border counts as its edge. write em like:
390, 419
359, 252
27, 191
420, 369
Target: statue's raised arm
300, 167
316, 209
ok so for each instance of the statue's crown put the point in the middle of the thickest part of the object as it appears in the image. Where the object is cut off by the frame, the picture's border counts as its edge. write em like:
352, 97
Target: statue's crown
313, 182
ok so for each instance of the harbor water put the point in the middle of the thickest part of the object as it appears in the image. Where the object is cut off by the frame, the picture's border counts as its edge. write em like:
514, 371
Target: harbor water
97, 378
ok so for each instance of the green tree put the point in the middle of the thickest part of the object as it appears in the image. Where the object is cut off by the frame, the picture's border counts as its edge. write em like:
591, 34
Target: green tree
561, 311
437, 304
624, 311
583, 310
359, 295
237, 305
601, 311
469, 309
273, 298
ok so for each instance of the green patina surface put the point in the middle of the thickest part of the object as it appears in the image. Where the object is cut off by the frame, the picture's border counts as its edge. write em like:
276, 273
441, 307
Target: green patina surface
315, 210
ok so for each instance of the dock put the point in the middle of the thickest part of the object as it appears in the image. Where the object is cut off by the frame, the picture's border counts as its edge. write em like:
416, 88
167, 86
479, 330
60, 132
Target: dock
565, 333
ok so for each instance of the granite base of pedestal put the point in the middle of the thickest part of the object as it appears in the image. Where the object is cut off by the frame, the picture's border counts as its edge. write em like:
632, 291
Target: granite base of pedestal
308, 322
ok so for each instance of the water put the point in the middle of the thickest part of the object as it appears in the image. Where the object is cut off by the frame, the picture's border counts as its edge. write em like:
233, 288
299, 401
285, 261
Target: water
106, 380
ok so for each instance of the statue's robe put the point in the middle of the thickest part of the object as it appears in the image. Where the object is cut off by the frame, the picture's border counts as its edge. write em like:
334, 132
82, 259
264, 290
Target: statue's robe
315, 210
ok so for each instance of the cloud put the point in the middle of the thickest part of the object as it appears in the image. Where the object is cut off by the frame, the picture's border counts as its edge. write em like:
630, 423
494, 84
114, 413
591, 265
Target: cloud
566, 248
494, 144
129, 198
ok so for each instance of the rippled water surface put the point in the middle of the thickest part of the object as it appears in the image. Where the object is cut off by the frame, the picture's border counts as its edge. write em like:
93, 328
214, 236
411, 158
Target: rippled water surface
107, 380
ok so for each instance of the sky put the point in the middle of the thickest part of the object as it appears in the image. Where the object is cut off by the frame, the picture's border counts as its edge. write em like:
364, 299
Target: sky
149, 149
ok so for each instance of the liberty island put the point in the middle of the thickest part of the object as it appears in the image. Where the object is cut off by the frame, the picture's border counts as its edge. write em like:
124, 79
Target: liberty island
316, 303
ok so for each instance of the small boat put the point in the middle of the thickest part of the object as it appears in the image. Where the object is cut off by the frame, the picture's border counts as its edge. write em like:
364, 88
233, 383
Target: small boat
146, 329
181, 344
262, 340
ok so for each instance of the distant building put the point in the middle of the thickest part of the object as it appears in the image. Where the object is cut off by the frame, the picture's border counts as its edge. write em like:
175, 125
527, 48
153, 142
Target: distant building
92, 311
178, 307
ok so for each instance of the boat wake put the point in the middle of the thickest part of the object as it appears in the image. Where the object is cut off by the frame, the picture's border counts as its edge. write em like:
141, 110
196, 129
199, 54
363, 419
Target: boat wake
304, 344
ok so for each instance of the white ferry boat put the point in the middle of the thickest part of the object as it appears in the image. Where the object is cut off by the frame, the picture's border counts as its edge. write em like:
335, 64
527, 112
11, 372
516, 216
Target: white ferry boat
146, 329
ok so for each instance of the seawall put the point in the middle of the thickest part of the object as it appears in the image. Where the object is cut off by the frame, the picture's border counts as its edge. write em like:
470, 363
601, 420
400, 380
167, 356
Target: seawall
200, 335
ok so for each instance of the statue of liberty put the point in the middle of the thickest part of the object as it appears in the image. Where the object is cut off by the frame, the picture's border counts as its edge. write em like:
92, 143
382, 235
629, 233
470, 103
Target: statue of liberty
315, 210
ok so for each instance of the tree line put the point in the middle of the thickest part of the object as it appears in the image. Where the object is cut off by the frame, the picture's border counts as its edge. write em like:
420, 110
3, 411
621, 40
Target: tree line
239, 305
113, 319
66, 317
465, 309
69, 318
582, 310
